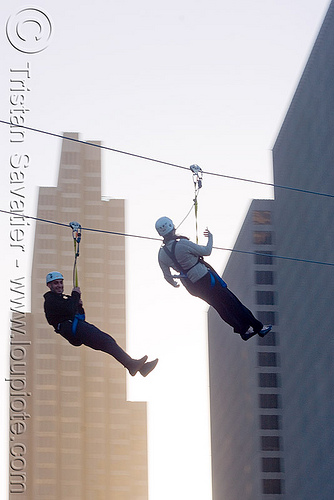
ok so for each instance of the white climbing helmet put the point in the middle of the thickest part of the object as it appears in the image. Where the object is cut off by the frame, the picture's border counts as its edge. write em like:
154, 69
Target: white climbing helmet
55, 275
164, 225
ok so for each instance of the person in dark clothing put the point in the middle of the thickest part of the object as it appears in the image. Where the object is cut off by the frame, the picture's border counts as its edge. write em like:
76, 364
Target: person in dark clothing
202, 281
67, 316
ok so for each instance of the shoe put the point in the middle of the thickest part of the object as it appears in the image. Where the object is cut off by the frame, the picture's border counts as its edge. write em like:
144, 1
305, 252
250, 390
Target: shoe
248, 335
148, 367
266, 329
137, 365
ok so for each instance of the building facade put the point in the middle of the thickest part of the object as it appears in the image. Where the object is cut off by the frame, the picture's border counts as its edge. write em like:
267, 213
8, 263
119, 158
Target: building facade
272, 405
83, 439
245, 377
303, 158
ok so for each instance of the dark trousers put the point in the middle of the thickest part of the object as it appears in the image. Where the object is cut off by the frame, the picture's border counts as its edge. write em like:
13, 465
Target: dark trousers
227, 305
93, 337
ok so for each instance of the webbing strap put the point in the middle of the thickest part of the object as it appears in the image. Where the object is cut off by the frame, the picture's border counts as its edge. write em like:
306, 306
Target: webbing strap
76, 233
214, 276
196, 219
75, 267
171, 255
77, 318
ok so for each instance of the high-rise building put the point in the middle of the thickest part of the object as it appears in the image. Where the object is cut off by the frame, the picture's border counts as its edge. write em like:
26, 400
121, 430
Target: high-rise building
272, 405
303, 158
82, 438
245, 377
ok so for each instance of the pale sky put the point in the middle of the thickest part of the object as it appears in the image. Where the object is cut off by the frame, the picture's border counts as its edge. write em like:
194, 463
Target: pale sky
206, 82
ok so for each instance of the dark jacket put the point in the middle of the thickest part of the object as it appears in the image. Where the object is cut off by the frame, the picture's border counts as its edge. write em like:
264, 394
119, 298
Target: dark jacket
59, 308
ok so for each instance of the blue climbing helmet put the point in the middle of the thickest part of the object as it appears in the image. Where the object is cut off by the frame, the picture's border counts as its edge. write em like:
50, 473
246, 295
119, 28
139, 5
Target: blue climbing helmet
164, 225
54, 275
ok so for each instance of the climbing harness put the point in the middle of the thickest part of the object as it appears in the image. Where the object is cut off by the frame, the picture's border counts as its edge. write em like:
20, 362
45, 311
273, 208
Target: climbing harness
197, 179
214, 276
171, 255
78, 317
76, 233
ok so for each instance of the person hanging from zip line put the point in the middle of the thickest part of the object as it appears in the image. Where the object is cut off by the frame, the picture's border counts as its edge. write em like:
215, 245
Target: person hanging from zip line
67, 316
202, 281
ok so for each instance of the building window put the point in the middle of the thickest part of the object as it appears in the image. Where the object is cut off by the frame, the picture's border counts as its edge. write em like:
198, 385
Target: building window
269, 401
264, 277
271, 464
263, 258
262, 238
267, 358
265, 298
271, 487
269, 422
269, 380
270, 443
261, 217
267, 317
268, 340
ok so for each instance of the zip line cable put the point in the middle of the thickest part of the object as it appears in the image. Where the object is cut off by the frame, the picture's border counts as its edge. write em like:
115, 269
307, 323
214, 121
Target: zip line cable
103, 231
296, 259
197, 171
100, 146
225, 176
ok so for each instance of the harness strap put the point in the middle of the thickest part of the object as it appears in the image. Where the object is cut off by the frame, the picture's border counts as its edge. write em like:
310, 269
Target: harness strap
214, 276
76, 233
171, 255
77, 318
